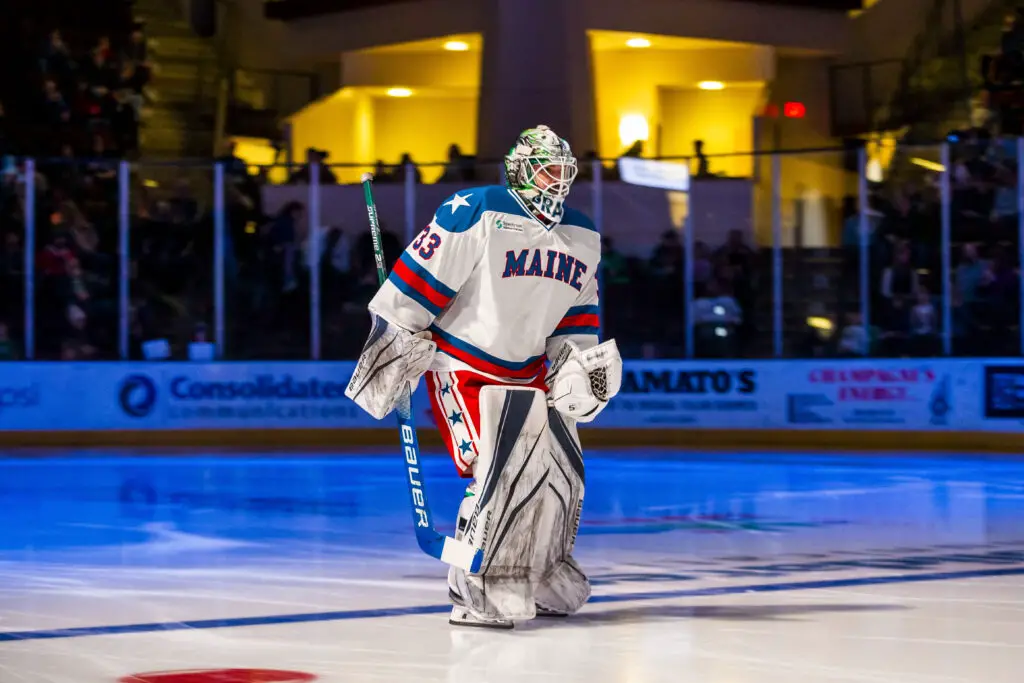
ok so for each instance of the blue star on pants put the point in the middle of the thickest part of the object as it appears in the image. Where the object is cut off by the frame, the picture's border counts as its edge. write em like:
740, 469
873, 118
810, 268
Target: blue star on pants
455, 417
464, 447
446, 389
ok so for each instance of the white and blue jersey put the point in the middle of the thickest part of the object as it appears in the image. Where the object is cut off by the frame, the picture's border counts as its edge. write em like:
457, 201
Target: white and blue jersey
495, 287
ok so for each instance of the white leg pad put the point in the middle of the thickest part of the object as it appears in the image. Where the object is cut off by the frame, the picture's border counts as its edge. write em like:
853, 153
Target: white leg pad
504, 508
562, 585
564, 590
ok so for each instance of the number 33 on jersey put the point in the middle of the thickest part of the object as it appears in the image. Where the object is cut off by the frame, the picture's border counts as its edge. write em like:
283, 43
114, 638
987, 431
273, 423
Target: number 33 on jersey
497, 289
427, 242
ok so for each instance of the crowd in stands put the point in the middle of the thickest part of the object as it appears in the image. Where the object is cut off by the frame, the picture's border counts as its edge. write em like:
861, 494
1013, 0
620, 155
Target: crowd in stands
732, 280
905, 225
906, 259
75, 80
1002, 76
267, 274
643, 299
73, 96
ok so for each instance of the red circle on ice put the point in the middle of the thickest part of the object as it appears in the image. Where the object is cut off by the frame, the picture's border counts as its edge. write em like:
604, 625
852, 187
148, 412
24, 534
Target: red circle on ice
220, 676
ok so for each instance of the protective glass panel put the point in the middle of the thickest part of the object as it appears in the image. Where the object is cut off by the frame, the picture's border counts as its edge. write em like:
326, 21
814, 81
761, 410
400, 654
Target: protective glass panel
171, 302
984, 249
12, 251
76, 268
820, 303
732, 295
905, 253
249, 261
348, 268
643, 264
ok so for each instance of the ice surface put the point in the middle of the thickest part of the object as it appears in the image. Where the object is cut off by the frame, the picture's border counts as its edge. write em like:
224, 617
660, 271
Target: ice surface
719, 568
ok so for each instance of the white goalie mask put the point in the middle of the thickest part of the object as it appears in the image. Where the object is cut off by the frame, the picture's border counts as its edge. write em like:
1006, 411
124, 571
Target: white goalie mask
540, 168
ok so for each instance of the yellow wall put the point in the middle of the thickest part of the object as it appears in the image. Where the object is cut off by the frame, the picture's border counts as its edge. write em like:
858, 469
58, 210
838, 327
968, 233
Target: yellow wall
444, 108
364, 132
627, 82
327, 124
355, 127
361, 125
424, 127
761, 23
723, 119
412, 69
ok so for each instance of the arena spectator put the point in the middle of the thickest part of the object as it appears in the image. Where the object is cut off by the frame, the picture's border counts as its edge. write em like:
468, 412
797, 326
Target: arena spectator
614, 268
459, 169
136, 55
924, 326
716, 318
99, 72
55, 108
703, 270
319, 157
402, 169
899, 287
1001, 306
5, 143
8, 348
737, 266
855, 340
281, 246
56, 62
667, 258
971, 275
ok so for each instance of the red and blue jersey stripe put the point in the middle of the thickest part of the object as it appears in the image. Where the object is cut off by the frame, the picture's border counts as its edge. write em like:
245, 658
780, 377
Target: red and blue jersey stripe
579, 320
484, 362
417, 283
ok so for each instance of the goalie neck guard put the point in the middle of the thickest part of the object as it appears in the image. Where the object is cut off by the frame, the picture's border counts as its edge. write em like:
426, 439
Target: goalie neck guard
540, 169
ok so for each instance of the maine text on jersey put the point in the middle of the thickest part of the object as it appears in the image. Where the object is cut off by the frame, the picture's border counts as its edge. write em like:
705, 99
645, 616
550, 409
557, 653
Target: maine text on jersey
569, 270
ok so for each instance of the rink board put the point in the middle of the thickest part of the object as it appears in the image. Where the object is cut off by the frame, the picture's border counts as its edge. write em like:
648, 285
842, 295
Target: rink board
904, 403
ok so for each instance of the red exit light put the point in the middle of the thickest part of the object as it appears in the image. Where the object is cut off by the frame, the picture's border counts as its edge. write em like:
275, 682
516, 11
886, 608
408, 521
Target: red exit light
794, 110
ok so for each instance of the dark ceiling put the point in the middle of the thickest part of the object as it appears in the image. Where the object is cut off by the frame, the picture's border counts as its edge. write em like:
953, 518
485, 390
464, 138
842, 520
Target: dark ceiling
287, 10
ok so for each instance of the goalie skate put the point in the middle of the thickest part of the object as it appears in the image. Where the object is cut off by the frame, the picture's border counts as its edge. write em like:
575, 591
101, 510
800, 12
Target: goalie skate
463, 616
545, 612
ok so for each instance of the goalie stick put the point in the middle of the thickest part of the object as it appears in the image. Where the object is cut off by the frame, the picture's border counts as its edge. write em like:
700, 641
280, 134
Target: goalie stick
448, 550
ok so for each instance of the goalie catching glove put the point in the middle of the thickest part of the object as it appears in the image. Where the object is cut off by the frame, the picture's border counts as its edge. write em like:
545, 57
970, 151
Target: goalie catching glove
391, 359
580, 383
